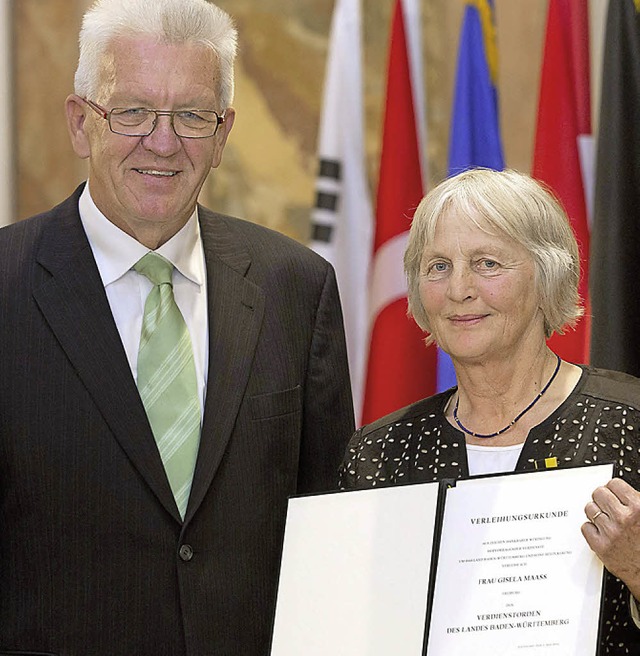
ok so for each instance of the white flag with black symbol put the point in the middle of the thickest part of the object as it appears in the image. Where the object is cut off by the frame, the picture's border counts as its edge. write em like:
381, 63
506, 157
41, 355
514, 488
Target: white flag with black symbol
342, 217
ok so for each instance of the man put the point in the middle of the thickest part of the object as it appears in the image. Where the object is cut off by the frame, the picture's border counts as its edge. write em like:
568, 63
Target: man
123, 531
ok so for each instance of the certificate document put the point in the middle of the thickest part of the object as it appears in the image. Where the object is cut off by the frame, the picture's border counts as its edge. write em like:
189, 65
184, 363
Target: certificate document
355, 573
515, 575
488, 566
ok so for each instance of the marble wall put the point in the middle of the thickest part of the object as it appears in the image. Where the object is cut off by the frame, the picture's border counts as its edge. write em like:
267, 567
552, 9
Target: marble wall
269, 165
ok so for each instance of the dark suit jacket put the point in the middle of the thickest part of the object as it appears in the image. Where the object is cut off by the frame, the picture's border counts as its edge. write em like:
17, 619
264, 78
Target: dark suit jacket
93, 556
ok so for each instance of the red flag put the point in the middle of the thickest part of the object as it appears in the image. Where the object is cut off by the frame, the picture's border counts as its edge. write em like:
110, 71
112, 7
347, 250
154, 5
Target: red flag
564, 128
400, 369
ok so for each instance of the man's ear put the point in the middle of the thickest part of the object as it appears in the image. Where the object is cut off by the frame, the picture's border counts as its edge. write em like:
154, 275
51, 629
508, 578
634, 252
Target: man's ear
75, 110
221, 136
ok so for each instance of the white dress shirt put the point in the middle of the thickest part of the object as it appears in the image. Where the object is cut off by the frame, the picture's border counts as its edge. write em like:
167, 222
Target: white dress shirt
116, 252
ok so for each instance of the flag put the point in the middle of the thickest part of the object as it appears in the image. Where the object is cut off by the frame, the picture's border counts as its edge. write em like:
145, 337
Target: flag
342, 221
562, 157
616, 225
400, 367
475, 123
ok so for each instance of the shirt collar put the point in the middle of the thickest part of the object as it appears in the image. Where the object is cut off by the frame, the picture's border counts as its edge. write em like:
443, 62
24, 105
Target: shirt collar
116, 252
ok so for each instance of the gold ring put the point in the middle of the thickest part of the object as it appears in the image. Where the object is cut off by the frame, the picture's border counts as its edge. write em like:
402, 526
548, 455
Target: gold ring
600, 512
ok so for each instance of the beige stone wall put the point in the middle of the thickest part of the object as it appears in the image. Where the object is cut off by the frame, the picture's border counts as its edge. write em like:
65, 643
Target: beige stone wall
268, 171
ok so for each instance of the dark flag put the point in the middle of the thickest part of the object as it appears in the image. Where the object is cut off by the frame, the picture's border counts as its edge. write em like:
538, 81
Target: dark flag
615, 244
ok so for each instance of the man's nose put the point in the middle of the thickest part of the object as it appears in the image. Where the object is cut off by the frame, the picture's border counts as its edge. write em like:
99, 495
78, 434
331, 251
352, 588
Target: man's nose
163, 139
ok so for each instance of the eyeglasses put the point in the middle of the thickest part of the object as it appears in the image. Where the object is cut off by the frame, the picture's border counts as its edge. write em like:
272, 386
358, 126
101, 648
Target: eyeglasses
141, 122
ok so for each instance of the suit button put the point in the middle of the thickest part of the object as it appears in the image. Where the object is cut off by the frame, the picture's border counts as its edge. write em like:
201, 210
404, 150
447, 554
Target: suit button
186, 552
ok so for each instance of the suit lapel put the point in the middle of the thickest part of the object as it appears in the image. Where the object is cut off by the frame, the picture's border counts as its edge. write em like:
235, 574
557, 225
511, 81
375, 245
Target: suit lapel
76, 308
236, 308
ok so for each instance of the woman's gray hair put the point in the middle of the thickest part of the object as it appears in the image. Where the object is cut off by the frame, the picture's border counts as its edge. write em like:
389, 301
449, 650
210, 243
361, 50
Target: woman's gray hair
515, 205
169, 21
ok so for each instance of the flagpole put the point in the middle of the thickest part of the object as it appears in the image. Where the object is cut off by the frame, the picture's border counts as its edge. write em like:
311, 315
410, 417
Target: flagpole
6, 118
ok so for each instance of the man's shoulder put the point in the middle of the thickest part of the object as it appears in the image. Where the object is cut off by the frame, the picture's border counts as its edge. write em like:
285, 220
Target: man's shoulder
24, 227
34, 224
256, 238
20, 242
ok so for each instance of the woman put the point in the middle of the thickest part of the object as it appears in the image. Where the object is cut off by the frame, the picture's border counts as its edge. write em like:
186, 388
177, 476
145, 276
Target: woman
493, 270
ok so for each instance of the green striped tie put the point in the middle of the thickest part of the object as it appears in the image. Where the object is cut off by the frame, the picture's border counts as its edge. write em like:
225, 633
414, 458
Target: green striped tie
167, 378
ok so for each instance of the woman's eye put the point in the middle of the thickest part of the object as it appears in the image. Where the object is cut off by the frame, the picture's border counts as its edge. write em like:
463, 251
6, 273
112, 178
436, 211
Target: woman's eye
437, 269
488, 265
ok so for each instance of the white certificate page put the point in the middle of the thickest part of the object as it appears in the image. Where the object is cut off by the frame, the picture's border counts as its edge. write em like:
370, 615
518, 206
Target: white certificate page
515, 576
355, 573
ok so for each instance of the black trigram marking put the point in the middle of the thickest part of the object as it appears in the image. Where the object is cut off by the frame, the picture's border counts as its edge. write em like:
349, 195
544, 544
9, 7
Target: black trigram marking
330, 168
321, 233
327, 201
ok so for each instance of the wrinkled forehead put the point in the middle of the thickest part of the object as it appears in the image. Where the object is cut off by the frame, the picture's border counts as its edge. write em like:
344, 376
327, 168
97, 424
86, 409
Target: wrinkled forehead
465, 215
135, 63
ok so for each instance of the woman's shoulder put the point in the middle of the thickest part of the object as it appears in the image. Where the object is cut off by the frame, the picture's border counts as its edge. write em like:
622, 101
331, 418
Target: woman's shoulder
430, 407
612, 386
394, 448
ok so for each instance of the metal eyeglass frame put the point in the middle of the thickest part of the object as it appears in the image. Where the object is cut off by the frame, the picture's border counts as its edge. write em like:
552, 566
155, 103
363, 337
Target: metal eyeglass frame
106, 115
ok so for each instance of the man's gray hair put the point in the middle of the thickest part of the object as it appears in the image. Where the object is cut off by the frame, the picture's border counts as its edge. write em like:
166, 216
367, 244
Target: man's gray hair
169, 21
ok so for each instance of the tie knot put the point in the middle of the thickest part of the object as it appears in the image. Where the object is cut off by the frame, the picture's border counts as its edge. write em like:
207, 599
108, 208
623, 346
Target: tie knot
155, 267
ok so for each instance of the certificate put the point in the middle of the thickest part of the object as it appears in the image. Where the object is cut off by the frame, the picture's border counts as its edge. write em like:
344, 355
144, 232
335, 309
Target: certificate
489, 566
514, 573
355, 573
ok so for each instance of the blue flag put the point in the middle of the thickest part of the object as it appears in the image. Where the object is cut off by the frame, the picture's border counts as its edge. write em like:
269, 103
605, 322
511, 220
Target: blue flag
475, 126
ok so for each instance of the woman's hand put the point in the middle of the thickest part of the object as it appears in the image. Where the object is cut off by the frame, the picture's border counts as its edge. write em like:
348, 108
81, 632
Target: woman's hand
613, 531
